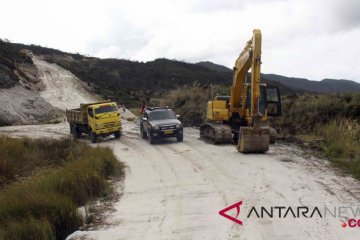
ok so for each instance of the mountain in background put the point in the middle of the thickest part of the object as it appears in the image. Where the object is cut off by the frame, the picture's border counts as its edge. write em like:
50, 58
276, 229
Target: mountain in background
323, 86
131, 80
214, 66
284, 89
299, 84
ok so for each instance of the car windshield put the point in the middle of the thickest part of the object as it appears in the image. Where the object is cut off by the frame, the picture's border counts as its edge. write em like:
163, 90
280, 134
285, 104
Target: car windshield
106, 109
161, 115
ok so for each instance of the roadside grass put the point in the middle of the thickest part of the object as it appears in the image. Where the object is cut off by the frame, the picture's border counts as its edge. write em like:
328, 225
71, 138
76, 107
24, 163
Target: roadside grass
303, 113
28, 228
327, 123
43, 205
189, 102
22, 157
135, 111
131, 119
341, 144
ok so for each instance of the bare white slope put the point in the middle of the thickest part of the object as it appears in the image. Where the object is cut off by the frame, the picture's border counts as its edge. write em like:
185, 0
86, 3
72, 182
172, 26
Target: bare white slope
62, 89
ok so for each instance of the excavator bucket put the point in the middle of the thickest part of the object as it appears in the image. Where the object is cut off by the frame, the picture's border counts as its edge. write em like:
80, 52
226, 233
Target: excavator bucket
254, 140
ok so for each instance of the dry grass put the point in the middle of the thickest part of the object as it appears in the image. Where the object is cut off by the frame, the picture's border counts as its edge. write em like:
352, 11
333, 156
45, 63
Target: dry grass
342, 144
71, 175
23, 157
303, 113
333, 118
191, 102
135, 111
28, 228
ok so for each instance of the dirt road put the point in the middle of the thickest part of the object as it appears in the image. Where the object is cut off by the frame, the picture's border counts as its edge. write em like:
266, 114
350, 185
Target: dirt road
175, 190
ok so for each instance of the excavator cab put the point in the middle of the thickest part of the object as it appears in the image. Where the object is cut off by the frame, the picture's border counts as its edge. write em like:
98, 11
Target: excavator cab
273, 102
262, 100
269, 101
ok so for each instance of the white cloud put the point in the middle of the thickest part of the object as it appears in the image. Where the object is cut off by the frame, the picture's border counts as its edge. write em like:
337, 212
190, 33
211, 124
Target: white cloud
315, 39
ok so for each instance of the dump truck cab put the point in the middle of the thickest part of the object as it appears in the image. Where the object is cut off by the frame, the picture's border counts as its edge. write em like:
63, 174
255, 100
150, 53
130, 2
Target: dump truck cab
104, 118
95, 119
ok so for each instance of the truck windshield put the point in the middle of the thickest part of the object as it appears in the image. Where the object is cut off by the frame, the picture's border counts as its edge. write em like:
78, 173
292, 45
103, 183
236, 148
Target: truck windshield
161, 115
106, 109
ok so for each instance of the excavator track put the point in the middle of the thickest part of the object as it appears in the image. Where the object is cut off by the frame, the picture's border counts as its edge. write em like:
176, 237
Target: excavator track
217, 133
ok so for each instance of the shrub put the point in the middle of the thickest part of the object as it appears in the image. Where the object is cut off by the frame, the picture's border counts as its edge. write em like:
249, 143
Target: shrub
301, 114
22, 157
28, 229
342, 144
74, 174
189, 102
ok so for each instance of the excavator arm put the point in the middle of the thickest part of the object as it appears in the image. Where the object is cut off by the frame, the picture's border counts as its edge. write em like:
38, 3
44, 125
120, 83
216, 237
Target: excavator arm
242, 66
255, 73
250, 57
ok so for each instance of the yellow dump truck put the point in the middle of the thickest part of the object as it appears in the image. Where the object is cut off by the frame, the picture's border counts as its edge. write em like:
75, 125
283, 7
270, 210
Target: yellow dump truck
95, 119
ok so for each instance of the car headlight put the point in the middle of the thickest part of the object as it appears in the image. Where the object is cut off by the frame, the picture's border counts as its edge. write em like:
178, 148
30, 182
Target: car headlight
98, 126
155, 127
178, 125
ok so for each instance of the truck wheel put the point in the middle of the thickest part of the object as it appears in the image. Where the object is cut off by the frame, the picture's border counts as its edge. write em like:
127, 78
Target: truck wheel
143, 133
93, 137
180, 137
74, 131
117, 134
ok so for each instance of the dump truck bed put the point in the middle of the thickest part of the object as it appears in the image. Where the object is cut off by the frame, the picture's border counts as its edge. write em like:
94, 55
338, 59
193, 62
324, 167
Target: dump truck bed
76, 116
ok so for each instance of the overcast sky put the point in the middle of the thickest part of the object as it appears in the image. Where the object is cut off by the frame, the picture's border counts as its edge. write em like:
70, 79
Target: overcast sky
314, 39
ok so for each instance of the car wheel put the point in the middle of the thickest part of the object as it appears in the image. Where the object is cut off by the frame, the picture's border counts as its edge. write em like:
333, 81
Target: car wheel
143, 133
93, 137
151, 138
117, 134
180, 137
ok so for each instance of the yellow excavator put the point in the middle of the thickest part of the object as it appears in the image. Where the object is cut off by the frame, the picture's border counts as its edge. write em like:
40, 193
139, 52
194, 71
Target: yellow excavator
242, 117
